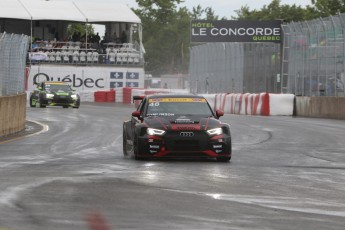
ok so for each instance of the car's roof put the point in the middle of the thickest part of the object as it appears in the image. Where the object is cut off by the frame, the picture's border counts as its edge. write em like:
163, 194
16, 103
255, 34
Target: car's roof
174, 96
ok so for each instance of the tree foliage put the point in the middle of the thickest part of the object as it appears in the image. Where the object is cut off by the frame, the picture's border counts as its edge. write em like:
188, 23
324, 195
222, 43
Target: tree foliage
80, 28
275, 10
166, 27
325, 8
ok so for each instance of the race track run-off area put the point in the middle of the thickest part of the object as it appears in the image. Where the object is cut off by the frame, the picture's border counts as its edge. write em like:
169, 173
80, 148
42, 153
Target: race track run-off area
285, 173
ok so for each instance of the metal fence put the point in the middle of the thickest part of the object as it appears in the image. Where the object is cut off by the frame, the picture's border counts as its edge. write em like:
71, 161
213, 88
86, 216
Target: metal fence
13, 50
313, 57
309, 62
234, 67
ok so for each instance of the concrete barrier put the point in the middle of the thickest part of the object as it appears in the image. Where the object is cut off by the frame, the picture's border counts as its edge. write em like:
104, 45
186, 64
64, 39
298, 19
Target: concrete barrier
321, 107
12, 114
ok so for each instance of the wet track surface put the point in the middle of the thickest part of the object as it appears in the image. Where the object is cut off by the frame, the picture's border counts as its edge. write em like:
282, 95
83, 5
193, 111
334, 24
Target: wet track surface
286, 173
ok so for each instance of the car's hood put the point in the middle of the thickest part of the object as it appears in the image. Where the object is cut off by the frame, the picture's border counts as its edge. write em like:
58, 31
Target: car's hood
182, 122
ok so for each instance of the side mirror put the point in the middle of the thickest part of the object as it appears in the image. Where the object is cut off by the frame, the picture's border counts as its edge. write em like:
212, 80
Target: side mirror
136, 114
219, 113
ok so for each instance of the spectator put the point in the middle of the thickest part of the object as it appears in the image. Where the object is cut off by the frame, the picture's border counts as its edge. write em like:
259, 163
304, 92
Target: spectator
97, 38
123, 37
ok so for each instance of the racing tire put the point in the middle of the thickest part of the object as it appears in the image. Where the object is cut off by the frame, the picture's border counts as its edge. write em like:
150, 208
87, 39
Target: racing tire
223, 159
42, 106
135, 150
65, 106
124, 144
31, 102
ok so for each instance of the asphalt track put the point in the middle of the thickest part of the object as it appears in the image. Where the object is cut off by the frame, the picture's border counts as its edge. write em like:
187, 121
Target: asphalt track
67, 171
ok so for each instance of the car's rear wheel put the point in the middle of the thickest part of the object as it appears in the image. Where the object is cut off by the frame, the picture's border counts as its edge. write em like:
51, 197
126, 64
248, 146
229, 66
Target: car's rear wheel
223, 159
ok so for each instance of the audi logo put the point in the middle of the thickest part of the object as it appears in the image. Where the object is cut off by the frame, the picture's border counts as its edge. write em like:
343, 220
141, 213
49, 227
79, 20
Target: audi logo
186, 134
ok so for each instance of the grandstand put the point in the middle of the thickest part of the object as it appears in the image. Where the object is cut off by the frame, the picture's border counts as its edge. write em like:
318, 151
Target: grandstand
57, 56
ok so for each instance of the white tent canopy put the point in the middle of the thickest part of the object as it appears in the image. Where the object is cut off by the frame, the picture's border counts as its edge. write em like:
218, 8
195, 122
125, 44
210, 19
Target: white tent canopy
67, 10
13, 9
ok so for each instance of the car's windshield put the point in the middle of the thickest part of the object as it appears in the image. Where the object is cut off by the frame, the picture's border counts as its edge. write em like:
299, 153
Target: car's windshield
52, 88
178, 106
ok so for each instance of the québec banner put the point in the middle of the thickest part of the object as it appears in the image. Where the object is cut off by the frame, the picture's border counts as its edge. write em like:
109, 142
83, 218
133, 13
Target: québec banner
236, 31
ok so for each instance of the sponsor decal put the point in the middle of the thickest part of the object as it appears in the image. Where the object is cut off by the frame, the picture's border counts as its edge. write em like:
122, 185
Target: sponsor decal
177, 100
183, 121
236, 31
175, 127
217, 146
161, 114
154, 146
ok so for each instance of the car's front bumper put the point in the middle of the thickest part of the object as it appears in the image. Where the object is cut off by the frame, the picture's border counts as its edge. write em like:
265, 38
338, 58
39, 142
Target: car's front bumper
62, 101
172, 145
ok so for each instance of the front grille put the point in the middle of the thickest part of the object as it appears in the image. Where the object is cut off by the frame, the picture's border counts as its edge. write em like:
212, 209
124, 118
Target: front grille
61, 100
186, 145
174, 141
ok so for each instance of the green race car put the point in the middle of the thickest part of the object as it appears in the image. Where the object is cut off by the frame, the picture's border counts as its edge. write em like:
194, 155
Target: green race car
54, 94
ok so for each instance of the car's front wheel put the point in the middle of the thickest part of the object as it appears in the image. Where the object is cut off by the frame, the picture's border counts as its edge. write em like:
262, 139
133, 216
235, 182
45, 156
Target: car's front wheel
125, 145
136, 150
32, 103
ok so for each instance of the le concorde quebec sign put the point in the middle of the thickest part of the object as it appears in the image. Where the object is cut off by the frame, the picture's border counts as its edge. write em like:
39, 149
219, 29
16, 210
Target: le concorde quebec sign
236, 31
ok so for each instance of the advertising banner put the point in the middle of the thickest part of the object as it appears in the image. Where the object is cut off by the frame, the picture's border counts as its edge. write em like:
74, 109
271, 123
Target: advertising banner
236, 31
86, 79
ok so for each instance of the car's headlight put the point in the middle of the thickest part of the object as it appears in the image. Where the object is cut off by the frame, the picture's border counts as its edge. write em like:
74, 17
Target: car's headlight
49, 95
158, 132
74, 96
216, 131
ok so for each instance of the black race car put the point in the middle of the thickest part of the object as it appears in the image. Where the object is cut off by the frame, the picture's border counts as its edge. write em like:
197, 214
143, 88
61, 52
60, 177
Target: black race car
176, 126
54, 94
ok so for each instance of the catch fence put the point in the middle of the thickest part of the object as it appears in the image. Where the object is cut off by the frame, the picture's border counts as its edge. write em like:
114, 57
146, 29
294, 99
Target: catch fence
13, 52
309, 62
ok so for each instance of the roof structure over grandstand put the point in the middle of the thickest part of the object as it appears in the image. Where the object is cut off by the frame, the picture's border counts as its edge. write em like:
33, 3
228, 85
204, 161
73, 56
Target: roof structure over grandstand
67, 10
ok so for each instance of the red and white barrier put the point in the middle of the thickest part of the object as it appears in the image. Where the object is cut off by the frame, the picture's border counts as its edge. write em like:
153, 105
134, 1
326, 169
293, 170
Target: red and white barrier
263, 104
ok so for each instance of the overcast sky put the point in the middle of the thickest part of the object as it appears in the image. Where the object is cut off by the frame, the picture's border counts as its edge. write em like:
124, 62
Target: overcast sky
222, 8
226, 8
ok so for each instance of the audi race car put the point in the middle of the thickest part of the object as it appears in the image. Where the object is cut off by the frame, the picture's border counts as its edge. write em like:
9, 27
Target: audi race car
176, 126
54, 94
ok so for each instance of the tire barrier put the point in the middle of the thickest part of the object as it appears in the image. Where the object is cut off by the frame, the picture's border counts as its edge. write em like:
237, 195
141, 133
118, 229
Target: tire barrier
263, 104
100, 96
110, 96
127, 95
104, 96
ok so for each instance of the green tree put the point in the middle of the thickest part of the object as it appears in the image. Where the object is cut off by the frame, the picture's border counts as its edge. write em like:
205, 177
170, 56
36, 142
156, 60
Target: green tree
82, 28
275, 10
325, 8
165, 35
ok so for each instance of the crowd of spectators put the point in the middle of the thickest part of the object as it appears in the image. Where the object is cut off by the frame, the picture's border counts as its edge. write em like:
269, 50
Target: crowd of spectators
77, 47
